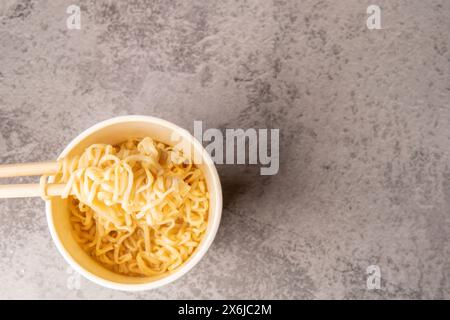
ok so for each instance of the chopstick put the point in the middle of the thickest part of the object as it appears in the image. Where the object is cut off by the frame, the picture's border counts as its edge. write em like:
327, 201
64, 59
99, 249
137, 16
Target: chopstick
29, 169
30, 190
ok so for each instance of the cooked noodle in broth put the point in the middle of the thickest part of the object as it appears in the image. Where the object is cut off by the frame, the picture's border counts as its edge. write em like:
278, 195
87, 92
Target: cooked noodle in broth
139, 208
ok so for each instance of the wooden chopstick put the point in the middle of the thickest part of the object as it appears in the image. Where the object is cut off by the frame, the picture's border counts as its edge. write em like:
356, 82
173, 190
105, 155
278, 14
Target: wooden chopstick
30, 190
29, 169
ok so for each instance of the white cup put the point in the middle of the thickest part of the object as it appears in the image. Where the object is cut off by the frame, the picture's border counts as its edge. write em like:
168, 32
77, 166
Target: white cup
114, 131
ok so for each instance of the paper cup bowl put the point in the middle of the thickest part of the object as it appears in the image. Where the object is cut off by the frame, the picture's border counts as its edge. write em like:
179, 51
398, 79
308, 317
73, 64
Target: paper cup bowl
114, 131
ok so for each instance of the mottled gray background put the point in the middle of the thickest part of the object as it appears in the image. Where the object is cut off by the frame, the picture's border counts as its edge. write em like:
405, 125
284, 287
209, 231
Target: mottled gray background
364, 118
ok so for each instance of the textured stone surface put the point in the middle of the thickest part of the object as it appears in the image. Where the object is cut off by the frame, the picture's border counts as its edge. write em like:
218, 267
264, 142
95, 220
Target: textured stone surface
364, 119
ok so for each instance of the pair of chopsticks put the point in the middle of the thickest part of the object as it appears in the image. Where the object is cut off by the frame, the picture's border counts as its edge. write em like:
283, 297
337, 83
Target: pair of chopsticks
29, 169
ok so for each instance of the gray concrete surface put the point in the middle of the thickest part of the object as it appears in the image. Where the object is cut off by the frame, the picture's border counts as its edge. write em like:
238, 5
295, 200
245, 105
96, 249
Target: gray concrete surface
364, 122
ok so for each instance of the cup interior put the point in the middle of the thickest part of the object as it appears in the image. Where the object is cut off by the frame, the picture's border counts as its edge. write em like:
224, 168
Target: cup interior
112, 132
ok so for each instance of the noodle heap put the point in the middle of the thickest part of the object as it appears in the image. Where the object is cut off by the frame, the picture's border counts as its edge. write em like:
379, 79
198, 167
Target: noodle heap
139, 208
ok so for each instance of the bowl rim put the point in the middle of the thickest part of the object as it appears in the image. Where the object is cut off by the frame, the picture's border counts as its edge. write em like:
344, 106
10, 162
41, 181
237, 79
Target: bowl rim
207, 241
